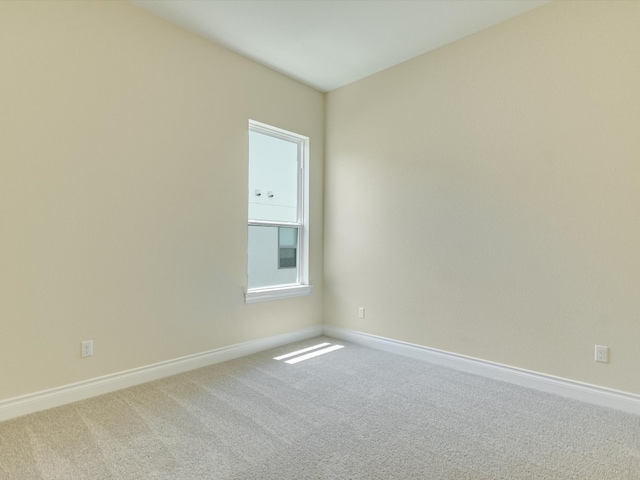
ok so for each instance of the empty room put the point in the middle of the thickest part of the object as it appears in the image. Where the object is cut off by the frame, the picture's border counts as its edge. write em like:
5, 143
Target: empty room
318, 239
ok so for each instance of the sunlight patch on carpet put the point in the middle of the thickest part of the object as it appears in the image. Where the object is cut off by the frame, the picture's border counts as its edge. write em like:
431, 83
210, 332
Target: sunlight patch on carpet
313, 354
298, 352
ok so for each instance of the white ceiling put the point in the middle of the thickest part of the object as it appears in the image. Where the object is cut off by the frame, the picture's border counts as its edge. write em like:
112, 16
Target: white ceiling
329, 43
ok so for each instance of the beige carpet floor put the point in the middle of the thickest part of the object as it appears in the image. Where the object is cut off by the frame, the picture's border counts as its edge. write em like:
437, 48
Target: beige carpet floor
354, 413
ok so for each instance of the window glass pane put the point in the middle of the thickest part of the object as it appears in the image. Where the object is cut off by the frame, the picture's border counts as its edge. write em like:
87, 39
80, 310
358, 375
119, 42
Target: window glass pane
273, 178
264, 258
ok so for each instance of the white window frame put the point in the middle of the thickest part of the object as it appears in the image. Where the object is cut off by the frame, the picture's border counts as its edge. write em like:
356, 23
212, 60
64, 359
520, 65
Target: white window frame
301, 286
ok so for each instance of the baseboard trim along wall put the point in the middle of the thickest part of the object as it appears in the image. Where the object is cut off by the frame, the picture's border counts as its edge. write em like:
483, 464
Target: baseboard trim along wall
594, 394
34, 402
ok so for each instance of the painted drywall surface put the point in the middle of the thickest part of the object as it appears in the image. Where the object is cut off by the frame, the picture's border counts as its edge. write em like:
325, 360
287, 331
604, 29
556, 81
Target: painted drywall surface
123, 194
484, 199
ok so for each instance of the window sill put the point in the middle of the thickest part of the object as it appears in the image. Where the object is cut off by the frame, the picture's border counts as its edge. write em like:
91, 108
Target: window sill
273, 293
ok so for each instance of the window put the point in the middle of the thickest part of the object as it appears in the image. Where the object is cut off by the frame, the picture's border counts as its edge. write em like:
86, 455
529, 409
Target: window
278, 245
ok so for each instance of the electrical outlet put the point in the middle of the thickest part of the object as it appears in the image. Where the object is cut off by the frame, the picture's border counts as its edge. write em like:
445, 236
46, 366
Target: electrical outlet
602, 354
87, 348
360, 312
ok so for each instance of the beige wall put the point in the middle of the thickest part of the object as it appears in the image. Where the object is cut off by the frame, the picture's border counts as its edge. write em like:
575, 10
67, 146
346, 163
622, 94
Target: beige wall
123, 169
484, 198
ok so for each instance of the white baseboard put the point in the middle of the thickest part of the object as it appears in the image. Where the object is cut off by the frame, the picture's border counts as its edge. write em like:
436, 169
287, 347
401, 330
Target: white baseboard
585, 392
34, 402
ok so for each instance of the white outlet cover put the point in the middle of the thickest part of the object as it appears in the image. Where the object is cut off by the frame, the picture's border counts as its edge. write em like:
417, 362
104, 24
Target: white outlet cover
602, 354
87, 348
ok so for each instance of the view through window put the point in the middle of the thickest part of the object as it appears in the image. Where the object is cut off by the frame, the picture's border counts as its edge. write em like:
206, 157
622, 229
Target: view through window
277, 224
